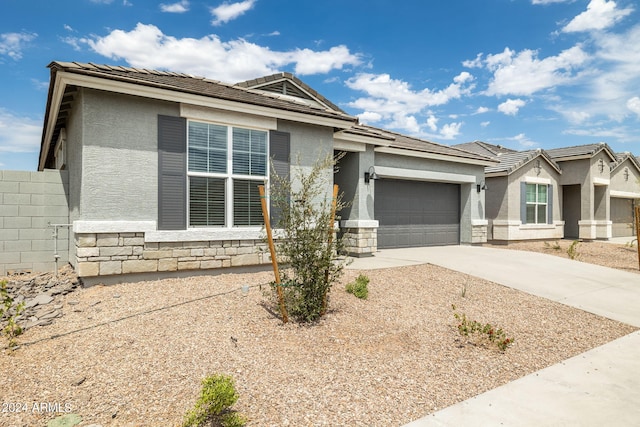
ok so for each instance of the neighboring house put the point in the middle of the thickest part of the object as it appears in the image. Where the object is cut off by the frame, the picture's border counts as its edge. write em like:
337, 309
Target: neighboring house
163, 170
522, 194
624, 192
585, 181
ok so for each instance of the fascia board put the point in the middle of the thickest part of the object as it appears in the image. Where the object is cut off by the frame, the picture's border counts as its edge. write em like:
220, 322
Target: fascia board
362, 139
434, 156
54, 108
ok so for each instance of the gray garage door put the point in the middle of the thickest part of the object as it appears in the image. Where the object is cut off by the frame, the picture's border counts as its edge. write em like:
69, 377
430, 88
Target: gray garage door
416, 213
622, 217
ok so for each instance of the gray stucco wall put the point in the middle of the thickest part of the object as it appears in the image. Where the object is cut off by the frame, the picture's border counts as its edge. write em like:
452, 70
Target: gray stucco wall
497, 198
119, 156
29, 202
631, 184
309, 144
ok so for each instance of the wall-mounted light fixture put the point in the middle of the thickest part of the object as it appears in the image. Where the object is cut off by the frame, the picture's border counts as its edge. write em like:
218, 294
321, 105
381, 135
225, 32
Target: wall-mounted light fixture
600, 165
481, 186
370, 174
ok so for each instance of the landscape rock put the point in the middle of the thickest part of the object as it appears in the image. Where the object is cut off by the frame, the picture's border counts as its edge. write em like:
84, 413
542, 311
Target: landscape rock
42, 295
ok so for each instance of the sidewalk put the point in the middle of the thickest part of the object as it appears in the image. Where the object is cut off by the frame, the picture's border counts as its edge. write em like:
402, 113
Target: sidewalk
599, 387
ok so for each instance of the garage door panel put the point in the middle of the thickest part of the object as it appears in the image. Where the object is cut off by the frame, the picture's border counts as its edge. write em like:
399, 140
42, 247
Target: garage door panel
622, 217
413, 213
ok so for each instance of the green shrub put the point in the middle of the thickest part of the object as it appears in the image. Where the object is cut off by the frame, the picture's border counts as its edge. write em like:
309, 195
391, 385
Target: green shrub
213, 407
304, 206
9, 312
359, 287
487, 331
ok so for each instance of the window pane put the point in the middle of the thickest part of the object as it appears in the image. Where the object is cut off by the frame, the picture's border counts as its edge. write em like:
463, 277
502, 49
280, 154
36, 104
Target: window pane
542, 194
207, 148
249, 152
531, 193
531, 214
206, 201
247, 209
542, 214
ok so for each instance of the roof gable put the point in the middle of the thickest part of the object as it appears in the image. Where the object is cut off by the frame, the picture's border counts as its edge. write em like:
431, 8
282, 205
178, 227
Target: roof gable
512, 161
485, 149
586, 151
621, 158
289, 86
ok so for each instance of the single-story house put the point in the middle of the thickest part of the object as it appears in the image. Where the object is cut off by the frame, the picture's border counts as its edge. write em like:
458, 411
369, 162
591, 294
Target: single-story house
624, 192
163, 170
585, 181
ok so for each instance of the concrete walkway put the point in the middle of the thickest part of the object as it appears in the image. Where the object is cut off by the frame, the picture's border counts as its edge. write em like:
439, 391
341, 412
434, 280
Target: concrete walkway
598, 388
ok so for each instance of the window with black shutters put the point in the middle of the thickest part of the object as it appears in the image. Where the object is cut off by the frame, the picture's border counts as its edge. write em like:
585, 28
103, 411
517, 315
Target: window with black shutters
225, 167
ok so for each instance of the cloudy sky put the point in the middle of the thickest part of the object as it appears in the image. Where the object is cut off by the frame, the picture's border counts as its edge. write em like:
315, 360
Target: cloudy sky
520, 73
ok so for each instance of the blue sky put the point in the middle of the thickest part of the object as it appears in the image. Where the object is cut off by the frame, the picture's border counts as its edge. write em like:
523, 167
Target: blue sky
520, 73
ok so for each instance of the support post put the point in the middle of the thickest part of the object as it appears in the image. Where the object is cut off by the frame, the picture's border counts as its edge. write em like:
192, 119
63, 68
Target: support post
272, 250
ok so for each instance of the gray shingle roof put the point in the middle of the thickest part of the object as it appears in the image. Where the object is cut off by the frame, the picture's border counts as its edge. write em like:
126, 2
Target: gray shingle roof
415, 144
620, 159
580, 150
196, 85
514, 160
486, 149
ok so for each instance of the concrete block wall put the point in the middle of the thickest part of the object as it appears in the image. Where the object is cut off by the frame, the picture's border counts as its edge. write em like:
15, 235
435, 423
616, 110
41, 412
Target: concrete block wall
29, 202
108, 254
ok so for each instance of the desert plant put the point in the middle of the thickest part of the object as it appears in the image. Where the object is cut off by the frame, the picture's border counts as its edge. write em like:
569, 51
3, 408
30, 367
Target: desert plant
359, 287
213, 407
307, 243
10, 311
554, 246
494, 335
572, 251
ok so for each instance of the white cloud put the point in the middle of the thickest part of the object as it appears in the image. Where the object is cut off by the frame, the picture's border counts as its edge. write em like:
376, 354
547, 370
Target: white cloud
511, 106
147, 47
398, 104
485, 124
369, 117
600, 14
450, 131
523, 140
482, 110
179, 7
432, 123
19, 134
12, 44
524, 73
229, 11
633, 104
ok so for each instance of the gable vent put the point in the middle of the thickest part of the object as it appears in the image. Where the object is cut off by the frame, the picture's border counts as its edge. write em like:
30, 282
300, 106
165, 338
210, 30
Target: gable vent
286, 88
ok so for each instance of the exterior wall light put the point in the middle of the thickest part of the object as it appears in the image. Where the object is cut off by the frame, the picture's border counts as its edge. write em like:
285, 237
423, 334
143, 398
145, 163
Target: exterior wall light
481, 186
370, 174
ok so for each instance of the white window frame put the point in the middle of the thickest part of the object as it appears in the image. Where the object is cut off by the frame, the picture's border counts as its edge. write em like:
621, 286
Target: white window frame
536, 204
228, 177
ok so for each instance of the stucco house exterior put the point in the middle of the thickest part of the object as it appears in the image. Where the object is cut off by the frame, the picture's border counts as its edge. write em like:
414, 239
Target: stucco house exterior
586, 179
163, 169
625, 194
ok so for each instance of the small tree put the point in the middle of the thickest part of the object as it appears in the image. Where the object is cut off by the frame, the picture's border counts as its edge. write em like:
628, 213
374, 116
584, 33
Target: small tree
307, 245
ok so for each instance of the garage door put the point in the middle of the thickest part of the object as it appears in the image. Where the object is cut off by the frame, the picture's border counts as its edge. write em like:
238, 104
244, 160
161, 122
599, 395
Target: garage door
416, 213
622, 217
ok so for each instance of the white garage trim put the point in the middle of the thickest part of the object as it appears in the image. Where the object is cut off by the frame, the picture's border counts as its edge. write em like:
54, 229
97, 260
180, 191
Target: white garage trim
420, 175
624, 194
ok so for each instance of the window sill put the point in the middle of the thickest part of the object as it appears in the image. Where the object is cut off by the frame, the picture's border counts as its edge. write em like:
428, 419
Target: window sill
205, 234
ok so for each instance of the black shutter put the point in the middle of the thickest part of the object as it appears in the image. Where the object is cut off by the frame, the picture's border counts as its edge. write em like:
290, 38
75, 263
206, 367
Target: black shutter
172, 173
279, 149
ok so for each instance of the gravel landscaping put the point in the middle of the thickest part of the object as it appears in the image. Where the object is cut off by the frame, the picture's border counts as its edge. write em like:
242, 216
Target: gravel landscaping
134, 354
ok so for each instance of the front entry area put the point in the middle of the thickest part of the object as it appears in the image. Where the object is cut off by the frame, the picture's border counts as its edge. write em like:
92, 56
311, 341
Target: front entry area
416, 213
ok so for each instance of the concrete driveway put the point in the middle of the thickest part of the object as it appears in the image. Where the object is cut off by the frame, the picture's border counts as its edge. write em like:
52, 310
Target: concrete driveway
598, 388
